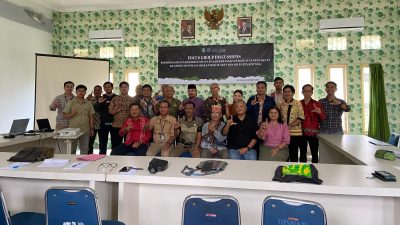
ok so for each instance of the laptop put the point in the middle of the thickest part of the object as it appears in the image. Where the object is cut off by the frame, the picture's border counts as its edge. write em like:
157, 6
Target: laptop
19, 127
44, 125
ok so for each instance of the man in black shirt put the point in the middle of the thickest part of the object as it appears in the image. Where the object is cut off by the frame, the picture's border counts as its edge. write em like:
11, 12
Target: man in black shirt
241, 130
106, 118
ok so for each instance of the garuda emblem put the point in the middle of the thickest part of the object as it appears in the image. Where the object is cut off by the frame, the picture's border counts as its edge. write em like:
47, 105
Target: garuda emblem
214, 18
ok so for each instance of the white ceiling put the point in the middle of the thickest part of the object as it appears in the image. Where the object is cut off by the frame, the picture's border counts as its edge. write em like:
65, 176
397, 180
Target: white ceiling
93, 5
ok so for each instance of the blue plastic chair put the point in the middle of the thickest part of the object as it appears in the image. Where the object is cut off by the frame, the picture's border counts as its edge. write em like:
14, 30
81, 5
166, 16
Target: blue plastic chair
280, 210
210, 210
394, 139
4, 216
23, 218
66, 205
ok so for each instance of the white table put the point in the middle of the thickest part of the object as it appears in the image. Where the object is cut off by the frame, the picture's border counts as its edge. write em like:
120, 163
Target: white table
20, 142
24, 188
353, 150
68, 139
346, 194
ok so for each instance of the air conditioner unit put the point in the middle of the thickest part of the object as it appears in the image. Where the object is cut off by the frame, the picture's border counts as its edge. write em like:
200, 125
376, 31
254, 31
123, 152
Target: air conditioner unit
341, 25
106, 35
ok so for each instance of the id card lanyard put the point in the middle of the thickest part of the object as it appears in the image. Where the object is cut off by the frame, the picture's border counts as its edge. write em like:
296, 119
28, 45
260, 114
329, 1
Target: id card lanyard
162, 124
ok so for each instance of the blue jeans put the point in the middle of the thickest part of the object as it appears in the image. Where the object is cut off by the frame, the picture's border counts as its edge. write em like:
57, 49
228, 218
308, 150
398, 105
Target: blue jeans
249, 155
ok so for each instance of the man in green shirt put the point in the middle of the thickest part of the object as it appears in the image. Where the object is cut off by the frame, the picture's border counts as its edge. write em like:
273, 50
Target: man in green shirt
79, 112
187, 129
173, 102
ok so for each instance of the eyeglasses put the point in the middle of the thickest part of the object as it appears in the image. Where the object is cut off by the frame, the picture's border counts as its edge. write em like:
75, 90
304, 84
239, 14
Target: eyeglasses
106, 167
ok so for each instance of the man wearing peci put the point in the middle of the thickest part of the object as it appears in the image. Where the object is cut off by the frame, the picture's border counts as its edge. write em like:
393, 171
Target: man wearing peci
192, 97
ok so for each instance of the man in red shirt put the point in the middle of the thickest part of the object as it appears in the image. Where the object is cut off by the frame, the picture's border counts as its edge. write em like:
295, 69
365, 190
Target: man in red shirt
137, 139
313, 114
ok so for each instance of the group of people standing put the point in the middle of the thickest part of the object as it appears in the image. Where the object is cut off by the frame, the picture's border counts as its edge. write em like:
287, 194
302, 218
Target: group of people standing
265, 127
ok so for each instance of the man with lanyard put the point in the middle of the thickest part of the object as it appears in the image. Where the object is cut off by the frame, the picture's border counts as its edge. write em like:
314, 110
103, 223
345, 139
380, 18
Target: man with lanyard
198, 102
59, 104
163, 132
259, 104
147, 103
105, 117
214, 103
333, 108
187, 130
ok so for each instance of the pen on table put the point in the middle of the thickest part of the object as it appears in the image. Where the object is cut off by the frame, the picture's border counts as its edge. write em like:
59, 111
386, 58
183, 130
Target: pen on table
137, 168
76, 165
372, 142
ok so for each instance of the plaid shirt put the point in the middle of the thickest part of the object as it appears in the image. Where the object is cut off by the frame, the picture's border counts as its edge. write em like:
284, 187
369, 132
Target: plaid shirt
62, 100
333, 121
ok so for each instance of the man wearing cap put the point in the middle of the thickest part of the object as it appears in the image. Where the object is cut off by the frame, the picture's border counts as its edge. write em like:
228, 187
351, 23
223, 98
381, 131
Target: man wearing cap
198, 102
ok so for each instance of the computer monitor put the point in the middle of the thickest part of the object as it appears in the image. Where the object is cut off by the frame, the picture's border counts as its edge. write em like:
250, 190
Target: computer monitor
44, 125
19, 126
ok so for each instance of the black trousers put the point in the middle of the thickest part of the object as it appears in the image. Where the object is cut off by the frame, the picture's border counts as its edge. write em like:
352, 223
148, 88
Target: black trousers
116, 139
296, 143
124, 149
91, 141
103, 137
314, 143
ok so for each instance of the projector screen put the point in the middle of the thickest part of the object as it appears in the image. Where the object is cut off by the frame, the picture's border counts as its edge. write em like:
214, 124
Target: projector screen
51, 73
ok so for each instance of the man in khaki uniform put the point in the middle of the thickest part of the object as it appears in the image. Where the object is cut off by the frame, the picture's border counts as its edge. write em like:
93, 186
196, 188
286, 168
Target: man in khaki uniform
163, 132
79, 112
188, 129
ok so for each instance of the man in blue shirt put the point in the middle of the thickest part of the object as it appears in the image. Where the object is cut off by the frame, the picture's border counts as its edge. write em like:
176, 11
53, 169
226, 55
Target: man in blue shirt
259, 104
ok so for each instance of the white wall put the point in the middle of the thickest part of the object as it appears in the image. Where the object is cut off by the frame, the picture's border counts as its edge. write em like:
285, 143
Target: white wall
18, 45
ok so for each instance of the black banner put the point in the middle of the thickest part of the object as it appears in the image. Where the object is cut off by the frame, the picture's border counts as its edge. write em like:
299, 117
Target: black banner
245, 63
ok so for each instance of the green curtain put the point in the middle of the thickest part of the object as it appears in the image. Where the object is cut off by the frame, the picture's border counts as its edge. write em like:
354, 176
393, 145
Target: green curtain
378, 116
